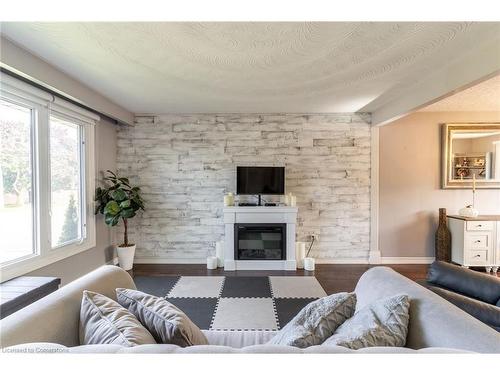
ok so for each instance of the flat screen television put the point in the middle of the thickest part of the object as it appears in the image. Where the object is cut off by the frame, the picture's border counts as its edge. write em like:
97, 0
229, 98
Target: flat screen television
260, 180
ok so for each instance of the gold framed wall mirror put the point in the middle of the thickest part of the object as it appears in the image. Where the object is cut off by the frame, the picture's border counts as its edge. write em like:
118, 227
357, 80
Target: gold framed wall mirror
471, 152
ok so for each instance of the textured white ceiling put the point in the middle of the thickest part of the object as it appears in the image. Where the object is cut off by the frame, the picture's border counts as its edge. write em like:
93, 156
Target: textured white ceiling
484, 96
248, 67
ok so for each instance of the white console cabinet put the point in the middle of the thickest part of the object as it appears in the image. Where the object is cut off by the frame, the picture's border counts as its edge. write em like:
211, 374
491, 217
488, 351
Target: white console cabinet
475, 242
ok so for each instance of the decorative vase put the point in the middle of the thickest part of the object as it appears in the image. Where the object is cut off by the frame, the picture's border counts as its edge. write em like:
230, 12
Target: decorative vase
468, 211
443, 238
126, 256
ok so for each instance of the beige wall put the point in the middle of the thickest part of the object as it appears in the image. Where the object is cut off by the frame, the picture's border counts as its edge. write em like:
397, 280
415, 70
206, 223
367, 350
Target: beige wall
73, 267
410, 193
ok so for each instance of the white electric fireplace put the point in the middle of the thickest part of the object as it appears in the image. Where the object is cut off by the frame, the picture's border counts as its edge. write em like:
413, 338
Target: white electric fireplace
260, 238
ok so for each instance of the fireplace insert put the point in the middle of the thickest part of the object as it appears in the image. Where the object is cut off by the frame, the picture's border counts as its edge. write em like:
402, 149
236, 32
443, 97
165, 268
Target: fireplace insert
259, 241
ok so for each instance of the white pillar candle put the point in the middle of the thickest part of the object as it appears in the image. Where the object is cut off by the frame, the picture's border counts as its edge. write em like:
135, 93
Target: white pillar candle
211, 263
300, 254
309, 264
293, 201
219, 253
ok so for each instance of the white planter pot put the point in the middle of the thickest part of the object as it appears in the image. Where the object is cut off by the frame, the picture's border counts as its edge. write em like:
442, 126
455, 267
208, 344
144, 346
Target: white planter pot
126, 256
309, 264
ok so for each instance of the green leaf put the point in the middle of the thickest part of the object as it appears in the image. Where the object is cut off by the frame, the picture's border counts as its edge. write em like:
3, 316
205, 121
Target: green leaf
128, 213
118, 195
125, 204
112, 208
111, 220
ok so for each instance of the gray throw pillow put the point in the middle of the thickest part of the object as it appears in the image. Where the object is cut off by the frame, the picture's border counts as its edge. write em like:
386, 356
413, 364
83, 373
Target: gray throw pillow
381, 323
166, 322
104, 321
317, 321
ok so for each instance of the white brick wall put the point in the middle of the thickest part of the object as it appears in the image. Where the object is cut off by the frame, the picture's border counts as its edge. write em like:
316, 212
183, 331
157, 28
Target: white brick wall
186, 163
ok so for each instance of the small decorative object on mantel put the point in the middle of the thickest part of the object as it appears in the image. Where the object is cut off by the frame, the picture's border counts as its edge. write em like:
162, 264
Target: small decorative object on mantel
443, 239
229, 199
290, 200
118, 200
469, 210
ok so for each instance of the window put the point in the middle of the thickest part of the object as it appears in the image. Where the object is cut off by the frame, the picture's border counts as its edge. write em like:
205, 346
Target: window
65, 182
16, 187
47, 179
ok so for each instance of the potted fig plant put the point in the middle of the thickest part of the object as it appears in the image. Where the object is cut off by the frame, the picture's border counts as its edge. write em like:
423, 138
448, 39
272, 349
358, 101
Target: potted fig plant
118, 200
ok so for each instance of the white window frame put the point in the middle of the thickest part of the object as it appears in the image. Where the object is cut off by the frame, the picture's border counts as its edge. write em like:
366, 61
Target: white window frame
43, 105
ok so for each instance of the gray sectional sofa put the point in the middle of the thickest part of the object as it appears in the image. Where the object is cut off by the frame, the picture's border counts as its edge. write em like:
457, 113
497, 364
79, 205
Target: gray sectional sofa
437, 326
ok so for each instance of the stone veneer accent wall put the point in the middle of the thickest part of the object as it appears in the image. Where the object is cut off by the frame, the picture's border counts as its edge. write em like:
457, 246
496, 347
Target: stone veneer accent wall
186, 163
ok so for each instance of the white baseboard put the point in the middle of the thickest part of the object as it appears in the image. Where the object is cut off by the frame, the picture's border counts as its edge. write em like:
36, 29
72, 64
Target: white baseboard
374, 257
406, 260
381, 260
342, 261
159, 260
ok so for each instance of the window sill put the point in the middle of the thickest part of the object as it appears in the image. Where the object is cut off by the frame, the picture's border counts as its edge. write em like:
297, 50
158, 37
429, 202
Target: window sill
10, 270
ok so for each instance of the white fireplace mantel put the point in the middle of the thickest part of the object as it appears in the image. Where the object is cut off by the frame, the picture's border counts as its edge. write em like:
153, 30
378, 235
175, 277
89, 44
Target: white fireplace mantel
260, 215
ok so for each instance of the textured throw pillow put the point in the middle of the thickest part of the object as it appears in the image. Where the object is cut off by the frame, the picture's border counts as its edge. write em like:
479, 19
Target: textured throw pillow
382, 323
104, 321
317, 321
167, 323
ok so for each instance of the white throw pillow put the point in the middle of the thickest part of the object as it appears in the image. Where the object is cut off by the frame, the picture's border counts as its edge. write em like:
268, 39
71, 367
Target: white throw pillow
382, 323
104, 321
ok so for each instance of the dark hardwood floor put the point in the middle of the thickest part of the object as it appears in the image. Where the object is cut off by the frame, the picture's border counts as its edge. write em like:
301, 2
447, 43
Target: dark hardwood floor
333, 278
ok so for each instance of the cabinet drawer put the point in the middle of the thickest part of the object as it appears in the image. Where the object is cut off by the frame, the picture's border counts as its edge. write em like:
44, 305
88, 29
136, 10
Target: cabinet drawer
479, 257
478, 241
479, 225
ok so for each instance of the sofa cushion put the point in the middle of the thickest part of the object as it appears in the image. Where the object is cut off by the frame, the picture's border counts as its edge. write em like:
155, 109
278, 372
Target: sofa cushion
104, 321
167, 323
209, 349
238, 339
317, 321
464, 281
382, 323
